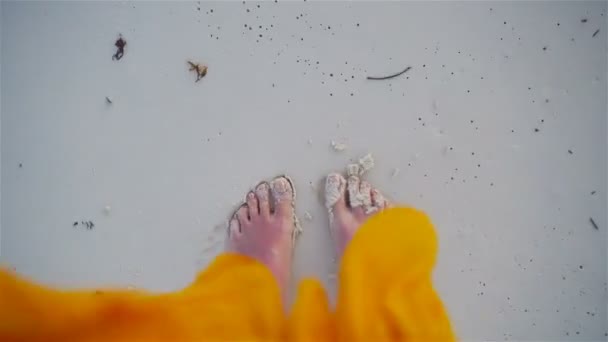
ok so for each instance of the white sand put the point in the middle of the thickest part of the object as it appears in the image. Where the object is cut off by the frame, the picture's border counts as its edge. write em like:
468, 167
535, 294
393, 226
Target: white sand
511, 205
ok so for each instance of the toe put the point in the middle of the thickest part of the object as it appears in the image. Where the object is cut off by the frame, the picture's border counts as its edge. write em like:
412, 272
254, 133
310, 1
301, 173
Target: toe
365, 193
252, 206
378, 200
335, 192
282, 196
262, 192
355, 200
242, 215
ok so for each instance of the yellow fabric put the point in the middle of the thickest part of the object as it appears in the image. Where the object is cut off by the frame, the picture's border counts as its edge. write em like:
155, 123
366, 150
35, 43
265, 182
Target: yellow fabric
385, 293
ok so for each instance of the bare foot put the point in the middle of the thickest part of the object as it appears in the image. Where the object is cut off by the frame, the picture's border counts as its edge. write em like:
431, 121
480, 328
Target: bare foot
263, 228
350, 203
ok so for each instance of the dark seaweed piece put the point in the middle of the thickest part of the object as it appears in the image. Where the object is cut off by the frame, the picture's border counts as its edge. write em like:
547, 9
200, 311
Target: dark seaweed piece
120, 48
201, 70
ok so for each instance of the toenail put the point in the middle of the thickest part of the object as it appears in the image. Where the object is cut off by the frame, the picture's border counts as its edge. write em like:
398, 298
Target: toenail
250, 196
332, 190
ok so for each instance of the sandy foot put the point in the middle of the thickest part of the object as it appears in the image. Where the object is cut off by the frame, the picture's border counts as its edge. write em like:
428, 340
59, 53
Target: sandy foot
350, 203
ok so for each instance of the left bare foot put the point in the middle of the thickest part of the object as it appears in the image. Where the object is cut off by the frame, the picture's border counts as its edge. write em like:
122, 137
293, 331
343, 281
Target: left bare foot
263, 228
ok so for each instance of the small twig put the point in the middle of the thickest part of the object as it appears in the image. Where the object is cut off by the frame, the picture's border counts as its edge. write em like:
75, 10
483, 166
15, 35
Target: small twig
391, 76
593, 223
595, 33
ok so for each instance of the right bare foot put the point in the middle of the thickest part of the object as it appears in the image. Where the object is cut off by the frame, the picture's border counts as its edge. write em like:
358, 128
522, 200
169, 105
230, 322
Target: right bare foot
350, 203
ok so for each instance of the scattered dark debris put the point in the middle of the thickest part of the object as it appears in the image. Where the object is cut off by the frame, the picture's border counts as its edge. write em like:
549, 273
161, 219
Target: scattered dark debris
580, 267
108, 100
120, 48
20, 165
88, 224
390, 76
544, 48
201, 70
570, 151
593, 192
595, 33
536, 130
584, 20
593, 223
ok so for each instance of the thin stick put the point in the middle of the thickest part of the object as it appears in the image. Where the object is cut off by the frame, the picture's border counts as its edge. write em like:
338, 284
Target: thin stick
593, 223
595, 33
391, 76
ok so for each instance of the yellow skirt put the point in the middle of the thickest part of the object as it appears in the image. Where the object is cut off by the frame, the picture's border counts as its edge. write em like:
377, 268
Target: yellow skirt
384, 293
